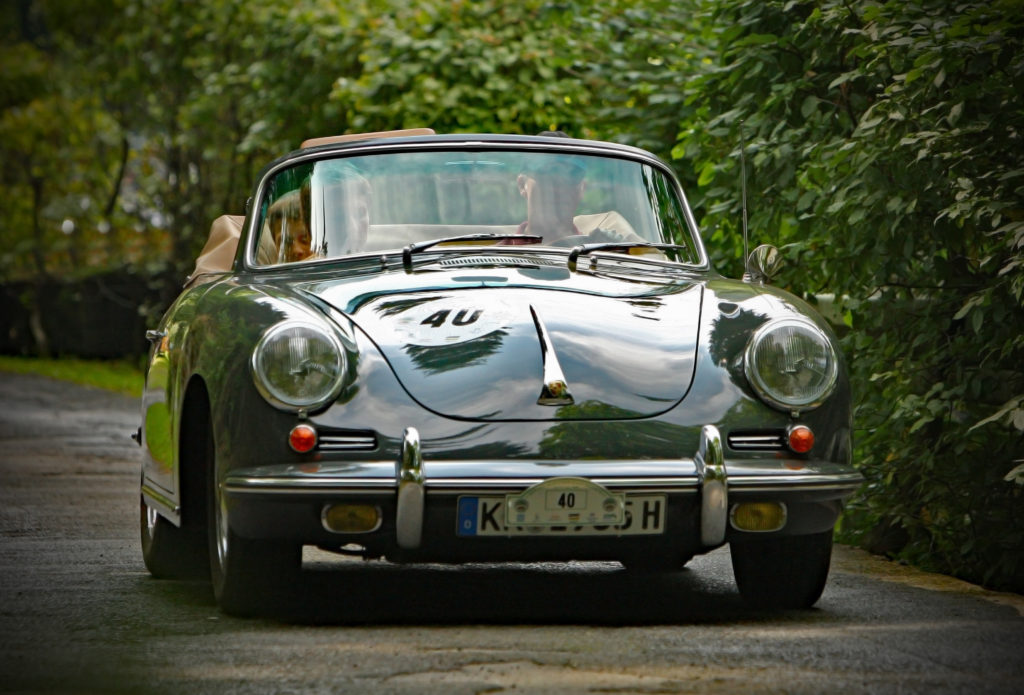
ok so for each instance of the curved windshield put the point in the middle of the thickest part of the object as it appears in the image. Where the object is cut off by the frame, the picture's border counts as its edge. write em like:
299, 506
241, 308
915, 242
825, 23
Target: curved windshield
375, 203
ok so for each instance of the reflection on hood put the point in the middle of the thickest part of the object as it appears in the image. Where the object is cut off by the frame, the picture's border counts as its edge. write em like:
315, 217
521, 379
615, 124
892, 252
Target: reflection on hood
434, 359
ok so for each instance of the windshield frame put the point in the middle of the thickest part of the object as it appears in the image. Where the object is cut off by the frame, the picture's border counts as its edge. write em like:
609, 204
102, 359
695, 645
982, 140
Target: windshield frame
475, 143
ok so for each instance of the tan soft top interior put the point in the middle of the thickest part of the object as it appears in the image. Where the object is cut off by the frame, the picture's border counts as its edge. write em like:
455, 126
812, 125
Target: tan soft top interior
219, 252
331, 139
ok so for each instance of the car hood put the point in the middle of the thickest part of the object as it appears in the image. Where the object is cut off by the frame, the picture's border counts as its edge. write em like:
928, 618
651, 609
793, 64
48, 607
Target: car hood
496, 349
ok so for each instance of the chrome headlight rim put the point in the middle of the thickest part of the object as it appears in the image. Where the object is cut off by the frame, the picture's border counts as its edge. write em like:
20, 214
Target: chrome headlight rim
278, 400
764, 391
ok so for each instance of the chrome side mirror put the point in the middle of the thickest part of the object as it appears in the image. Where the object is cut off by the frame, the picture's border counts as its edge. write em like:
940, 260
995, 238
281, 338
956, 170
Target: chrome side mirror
763, 264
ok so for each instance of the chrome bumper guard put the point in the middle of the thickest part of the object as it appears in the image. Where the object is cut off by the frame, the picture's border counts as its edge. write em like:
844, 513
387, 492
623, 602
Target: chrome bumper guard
409, 512
714, 489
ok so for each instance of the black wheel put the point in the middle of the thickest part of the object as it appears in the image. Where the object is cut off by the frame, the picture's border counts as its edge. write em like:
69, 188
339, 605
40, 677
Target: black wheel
782, 572
168, 551
246, 574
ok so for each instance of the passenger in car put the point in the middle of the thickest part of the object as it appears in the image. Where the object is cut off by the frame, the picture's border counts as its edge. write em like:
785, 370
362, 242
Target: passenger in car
288, 230
553, 192
327, 216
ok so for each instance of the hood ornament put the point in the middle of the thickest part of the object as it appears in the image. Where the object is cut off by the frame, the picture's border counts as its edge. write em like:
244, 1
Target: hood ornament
555, 390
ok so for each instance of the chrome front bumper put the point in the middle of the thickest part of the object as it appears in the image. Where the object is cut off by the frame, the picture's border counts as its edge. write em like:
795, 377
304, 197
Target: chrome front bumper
410, 480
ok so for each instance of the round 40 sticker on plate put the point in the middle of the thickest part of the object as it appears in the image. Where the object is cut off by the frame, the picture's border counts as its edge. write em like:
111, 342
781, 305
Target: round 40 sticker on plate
560, 501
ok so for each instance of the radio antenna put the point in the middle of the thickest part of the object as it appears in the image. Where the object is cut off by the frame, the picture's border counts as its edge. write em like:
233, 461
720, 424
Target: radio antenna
743, 187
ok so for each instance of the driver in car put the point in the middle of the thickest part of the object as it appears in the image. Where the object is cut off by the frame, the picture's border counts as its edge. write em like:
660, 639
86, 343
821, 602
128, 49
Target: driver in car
553, 187
552, 193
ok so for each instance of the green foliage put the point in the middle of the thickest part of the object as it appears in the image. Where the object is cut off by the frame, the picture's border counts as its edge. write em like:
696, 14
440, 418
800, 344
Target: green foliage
593, 69
885, 158
465, 66
59, 148
882, 142
128, 125
634, 57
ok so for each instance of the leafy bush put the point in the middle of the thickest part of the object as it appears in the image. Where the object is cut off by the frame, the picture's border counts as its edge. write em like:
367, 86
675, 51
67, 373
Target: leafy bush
888, 163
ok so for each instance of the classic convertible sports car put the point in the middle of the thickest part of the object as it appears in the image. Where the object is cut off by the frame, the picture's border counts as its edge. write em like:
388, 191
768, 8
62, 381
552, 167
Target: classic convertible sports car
462, 348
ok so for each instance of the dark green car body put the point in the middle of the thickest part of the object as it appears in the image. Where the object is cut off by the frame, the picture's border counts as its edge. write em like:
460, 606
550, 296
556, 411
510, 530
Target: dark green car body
438, 421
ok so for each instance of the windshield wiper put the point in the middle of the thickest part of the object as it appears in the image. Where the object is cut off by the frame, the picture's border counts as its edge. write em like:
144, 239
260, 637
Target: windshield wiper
584, 249
411, 249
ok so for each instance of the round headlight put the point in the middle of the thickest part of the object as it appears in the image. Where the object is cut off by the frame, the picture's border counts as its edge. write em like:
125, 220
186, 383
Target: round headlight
298, 366
791, 364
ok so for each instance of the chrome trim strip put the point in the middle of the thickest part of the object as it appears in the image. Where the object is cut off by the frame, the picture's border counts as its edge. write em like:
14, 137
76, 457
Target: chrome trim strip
334, 486
327, 476
838, 479
843, 490
343, 443
303, 488
767, 442
471, 261
676, 484
844, 482
448, 487
484, 492
155, 499
755, 438
381, 476
409, 508
681, 475
523, 469
714, 508
555, 389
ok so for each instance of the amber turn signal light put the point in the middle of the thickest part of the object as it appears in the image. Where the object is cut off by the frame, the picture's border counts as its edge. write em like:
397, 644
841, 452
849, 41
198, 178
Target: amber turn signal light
351, 518
302, 438
758, 516
801, 439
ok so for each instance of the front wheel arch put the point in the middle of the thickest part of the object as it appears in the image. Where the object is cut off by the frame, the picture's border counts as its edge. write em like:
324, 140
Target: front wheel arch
194, 432
179, 552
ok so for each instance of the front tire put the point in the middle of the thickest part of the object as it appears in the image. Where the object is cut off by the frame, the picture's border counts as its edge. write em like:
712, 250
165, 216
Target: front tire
782, 572
246, 574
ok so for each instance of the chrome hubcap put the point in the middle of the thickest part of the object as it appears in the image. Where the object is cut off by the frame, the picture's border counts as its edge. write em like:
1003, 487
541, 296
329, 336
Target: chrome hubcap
222, 528
151, 517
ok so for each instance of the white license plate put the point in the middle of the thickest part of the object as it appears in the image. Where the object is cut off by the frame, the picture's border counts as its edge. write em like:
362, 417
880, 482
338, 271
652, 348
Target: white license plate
485, 516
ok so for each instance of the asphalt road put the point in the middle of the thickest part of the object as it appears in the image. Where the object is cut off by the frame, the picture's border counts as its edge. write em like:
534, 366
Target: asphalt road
79, 614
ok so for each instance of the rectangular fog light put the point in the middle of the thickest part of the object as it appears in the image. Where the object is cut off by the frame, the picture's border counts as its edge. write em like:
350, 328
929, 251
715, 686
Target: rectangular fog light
351, 518
758, 516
